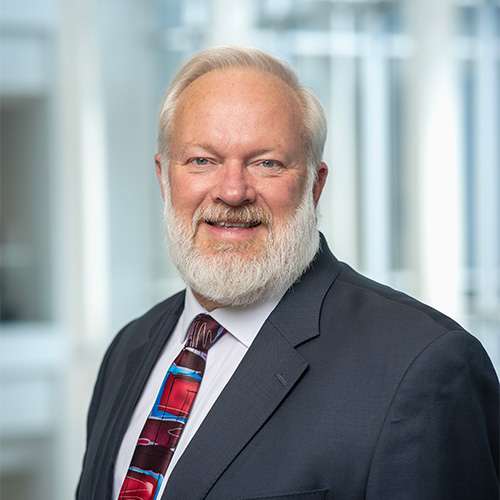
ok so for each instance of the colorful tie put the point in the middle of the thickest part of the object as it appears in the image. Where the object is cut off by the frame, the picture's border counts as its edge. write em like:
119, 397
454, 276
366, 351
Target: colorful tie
162, 429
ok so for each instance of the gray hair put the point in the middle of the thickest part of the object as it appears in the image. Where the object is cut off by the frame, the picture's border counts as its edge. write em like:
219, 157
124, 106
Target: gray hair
204, 61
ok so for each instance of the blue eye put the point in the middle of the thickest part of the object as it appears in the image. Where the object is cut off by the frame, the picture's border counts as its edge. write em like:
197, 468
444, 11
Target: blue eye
269, 163
201, 161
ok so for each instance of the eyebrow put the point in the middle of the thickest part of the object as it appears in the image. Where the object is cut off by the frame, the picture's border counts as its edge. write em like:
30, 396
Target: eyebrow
207, 147
201, 145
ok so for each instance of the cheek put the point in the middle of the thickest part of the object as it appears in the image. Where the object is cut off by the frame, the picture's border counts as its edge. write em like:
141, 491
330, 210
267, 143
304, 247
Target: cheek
284, 198
186, 194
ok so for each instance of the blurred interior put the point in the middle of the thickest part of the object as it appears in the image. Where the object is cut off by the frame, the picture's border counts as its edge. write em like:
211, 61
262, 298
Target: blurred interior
412, 93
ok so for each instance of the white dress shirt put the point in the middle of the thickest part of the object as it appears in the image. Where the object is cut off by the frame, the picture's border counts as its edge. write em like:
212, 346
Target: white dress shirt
243, 323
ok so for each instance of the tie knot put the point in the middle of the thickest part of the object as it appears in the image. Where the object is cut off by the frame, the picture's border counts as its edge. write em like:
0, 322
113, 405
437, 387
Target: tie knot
204, 332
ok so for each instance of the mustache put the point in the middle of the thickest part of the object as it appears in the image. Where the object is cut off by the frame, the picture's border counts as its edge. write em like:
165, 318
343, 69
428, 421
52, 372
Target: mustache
247, 214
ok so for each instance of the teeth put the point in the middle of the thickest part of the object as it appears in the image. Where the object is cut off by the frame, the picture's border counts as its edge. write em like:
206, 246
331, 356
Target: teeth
233, 225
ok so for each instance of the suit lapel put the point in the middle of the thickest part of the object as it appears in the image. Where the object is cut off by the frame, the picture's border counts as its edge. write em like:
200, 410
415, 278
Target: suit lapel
138, 366
265, 376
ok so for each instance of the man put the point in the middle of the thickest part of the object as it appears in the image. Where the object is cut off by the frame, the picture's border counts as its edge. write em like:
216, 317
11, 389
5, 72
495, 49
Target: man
319, 383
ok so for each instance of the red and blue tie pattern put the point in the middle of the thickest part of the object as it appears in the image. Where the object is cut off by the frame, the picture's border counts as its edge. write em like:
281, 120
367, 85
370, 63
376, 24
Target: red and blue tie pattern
161, 432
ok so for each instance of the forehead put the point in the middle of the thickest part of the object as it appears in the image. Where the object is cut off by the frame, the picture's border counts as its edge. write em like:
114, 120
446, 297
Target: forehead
238, 106
238, 88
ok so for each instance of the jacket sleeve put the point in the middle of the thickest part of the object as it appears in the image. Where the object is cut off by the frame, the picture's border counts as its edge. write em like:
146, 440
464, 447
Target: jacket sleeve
440, 437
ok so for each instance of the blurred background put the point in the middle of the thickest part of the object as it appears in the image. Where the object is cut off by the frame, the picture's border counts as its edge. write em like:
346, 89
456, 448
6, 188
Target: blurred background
411, 89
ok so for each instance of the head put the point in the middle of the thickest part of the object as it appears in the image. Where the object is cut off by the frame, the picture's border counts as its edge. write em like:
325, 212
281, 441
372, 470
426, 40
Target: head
241, 174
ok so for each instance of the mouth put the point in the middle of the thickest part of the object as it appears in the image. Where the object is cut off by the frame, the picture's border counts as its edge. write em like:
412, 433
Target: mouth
233, 226
234, 223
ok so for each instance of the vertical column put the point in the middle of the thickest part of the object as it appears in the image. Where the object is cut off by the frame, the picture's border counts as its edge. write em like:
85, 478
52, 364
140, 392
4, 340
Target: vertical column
82, 170
375, 173
432, 154
82, 241
486, 167
339, 201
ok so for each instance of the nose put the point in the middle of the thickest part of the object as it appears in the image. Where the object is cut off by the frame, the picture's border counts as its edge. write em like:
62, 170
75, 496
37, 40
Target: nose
234, 186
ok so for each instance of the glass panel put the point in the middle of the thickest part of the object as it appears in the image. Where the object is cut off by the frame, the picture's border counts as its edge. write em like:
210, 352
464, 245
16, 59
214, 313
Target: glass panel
25, 244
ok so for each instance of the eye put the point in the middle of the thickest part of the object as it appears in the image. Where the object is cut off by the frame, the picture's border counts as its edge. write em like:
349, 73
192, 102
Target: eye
199, 161
269, 163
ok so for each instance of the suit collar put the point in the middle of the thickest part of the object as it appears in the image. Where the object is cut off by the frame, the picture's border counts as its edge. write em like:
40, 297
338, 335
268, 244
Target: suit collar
156, 336
297, 317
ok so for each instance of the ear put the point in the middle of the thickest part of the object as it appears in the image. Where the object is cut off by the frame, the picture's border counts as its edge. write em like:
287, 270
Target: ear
159, 173
319, 184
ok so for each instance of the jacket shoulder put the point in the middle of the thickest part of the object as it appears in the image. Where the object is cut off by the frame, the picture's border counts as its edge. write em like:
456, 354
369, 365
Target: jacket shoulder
389, 306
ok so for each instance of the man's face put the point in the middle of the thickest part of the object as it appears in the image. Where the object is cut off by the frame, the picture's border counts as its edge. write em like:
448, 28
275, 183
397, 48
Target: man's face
237, 167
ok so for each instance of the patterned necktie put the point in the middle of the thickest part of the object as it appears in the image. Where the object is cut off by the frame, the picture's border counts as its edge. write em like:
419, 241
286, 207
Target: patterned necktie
162, 429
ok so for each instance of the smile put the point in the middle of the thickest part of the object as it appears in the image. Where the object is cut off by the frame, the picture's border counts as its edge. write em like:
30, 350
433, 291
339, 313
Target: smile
232, 226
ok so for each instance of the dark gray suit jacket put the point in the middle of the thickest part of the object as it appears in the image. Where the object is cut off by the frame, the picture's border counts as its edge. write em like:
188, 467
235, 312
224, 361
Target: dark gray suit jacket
350, 391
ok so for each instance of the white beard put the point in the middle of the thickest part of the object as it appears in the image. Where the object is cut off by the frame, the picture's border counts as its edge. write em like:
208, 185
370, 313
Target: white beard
226, 276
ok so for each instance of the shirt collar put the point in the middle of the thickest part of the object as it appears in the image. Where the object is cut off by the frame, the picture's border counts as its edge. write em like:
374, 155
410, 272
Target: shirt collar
243, 322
